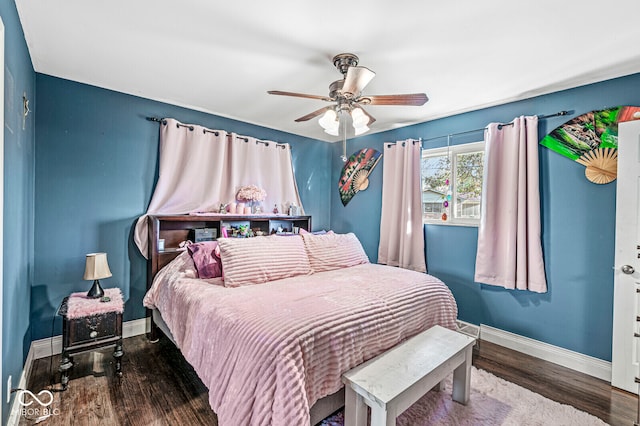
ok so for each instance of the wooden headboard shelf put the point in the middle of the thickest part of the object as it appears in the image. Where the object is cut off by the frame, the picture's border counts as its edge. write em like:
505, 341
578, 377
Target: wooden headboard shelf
174, 229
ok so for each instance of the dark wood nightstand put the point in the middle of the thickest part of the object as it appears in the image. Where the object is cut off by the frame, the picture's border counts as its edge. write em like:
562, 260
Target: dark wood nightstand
88, 333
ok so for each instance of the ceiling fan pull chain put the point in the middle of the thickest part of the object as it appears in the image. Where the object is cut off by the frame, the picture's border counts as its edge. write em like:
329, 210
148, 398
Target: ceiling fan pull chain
344, 138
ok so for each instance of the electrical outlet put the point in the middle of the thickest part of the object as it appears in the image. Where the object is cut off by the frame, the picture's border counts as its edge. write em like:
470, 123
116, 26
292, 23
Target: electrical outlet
9, 389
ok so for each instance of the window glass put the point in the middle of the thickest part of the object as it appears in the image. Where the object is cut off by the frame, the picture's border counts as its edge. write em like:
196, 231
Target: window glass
452, 184
469, 185
436, 172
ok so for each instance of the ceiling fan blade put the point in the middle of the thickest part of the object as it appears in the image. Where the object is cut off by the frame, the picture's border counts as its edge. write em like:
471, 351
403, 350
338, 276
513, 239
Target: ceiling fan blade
413, 99
314, 114
299, 95
356, 80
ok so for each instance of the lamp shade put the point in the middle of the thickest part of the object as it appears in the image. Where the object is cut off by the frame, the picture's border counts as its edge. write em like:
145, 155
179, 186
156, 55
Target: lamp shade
96, 266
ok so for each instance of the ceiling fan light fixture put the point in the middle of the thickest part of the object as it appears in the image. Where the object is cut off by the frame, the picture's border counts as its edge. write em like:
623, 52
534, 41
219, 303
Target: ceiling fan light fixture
346, 98
329, 120
361, 129
332, 132
359, 118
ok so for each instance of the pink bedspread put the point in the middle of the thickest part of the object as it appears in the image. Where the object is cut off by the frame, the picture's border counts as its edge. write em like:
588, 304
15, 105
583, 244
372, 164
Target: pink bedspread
268, 352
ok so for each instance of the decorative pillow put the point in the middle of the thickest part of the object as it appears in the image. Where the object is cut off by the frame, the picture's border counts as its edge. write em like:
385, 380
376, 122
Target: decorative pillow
206, 258
257, 260
333, 251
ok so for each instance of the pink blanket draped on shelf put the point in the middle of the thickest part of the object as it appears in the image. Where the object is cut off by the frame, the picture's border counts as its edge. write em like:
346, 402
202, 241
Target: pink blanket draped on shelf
199, 169
268, 352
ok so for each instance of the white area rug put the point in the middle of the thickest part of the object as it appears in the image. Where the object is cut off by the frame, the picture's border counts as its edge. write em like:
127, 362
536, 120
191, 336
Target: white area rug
493, 401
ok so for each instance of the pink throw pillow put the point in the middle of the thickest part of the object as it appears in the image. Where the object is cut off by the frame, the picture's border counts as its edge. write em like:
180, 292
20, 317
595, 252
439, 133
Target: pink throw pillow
258, 260
206, 258
333, 251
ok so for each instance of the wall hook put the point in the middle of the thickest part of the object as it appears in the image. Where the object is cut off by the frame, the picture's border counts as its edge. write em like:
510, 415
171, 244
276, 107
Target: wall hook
25, 110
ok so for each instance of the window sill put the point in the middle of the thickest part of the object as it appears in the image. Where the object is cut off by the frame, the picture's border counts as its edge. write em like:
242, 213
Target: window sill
448, 223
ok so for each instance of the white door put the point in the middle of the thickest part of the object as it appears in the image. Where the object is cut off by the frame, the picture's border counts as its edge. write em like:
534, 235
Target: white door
626, 306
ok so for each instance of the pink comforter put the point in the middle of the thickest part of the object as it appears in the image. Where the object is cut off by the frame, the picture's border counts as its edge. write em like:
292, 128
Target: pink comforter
268, 352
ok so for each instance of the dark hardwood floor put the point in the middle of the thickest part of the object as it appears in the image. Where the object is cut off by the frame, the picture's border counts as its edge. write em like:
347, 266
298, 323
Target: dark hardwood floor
160, 388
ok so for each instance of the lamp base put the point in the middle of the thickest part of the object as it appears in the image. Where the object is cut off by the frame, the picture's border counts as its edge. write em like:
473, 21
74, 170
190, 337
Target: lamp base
96, 291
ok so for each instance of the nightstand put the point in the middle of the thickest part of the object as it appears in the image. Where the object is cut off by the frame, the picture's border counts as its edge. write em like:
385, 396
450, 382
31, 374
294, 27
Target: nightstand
90, 324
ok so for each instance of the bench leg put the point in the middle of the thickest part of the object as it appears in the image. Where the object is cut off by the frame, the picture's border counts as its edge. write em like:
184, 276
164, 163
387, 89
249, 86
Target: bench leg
355, 410
382, 417
462, 379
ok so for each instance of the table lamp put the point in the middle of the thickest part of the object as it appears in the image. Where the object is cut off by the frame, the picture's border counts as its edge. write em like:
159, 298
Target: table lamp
96, 267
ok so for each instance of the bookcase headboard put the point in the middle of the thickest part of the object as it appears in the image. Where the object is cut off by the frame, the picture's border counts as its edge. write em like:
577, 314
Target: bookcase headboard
174, 229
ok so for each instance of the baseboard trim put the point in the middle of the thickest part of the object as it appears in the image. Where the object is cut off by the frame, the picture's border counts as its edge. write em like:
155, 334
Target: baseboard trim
469, 329
574, 360
14, 410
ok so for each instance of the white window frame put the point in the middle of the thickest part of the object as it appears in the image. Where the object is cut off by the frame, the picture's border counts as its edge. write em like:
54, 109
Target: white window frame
453, 151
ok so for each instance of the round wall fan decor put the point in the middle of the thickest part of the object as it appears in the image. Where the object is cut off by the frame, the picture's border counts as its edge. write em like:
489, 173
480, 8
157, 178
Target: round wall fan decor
355, 173
601, 165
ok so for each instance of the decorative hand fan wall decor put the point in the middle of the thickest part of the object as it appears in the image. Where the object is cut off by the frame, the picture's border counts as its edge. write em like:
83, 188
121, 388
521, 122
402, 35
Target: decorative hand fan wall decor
355, 173
348, 101
591, 139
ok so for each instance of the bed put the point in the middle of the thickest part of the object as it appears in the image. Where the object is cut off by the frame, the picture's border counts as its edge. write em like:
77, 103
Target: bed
272, 338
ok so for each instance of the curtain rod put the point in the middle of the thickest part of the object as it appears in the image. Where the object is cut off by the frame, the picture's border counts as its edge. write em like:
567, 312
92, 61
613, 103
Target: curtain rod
215, 132
500, 126
414, 141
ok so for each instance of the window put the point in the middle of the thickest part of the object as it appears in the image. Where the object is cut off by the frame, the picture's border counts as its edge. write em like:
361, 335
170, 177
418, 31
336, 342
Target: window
452, 184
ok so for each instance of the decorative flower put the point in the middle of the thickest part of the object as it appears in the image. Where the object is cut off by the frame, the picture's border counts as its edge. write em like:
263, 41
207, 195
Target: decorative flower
251, 193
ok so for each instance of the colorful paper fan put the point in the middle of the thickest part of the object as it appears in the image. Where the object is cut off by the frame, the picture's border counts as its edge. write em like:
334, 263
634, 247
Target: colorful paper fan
601, 165
591, 139
355, 173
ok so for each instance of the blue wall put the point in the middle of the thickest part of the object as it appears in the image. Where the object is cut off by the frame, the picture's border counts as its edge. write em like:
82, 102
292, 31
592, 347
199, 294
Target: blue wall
578, 221
18, 201
96, 165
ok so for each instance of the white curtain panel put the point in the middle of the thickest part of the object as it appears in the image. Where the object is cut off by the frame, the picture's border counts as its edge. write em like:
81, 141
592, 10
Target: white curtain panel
202, 168
509, 247
401, 230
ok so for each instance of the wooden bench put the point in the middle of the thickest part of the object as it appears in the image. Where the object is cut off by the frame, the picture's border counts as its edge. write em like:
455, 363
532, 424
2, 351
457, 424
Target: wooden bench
393, 381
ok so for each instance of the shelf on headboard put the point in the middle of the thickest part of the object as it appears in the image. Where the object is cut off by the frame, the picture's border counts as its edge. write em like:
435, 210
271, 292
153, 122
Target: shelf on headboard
174, 229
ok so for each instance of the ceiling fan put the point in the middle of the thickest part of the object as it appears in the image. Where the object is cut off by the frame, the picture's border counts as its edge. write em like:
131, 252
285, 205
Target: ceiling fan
346, 96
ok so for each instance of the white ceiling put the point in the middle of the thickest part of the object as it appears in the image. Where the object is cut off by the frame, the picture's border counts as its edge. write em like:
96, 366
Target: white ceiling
222, 57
